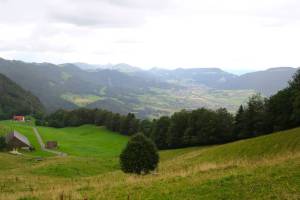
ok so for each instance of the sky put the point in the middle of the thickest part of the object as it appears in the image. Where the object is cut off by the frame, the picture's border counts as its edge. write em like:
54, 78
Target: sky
237, 35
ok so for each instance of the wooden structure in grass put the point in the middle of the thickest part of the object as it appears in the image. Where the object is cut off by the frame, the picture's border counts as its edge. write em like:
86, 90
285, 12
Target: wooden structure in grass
16, 140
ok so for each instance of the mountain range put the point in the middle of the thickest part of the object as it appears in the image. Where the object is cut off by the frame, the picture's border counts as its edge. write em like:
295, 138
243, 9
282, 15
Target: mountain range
147, 93
266, 82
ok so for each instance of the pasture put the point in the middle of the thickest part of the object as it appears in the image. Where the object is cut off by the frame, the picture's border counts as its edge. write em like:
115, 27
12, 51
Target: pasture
265, 167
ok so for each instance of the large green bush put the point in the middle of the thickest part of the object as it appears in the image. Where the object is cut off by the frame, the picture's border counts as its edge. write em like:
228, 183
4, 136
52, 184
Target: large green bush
140, 156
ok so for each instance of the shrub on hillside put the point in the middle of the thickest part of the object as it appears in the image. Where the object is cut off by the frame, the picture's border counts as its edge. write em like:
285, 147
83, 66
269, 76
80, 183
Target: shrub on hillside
139, 156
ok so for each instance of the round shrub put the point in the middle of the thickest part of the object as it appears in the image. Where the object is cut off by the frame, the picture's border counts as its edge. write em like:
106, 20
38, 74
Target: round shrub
139, 156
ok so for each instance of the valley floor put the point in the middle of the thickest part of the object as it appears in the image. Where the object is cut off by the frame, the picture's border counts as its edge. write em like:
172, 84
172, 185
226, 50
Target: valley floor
266, 167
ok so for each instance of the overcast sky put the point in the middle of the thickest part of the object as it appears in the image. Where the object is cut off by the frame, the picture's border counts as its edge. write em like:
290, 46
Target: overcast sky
231, 34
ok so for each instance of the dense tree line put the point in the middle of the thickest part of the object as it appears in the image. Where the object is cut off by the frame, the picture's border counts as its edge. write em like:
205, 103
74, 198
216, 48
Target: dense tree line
190, 128
266, 115
203, 126
127, 125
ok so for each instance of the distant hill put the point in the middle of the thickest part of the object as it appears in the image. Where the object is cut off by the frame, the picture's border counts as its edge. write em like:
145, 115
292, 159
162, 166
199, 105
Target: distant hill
267, 82
121, 67
147, 93
210, 77
67, 86
44, 80
15, 100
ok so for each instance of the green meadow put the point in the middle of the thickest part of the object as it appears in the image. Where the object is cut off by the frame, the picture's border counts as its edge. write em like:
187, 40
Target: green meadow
265, 167
87, 140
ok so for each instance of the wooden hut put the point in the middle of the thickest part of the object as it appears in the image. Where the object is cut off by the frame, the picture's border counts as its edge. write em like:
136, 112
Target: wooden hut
16, 140
51, 144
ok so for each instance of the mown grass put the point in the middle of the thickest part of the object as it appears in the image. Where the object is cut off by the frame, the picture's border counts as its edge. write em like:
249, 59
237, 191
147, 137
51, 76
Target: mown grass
266, 167
92, 150
87, 140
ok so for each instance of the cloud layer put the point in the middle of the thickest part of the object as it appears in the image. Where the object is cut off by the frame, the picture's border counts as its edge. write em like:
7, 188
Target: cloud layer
170, 33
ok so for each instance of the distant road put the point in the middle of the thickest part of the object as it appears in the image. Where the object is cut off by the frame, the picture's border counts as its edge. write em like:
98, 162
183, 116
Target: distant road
40, 140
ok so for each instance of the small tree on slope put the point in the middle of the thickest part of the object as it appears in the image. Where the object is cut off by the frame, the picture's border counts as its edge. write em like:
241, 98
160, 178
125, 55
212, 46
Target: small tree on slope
139, 156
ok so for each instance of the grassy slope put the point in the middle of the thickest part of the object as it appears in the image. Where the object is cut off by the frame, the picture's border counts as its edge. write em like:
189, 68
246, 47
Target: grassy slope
261, 168
26, 129
92, 150
86, 140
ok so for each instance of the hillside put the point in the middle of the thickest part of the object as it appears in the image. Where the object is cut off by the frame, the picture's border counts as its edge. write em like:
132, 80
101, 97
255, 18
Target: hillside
260, 165
57, 86
147, 93
267, 82
67, 86
121, 67
210, 77
15, 100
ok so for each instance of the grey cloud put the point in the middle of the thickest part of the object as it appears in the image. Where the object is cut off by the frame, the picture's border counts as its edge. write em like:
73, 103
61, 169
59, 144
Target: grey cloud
101, 13
81, 17
105, 13
128, 13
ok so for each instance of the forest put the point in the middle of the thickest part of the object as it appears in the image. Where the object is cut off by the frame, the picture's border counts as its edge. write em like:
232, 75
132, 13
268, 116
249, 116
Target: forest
15, 100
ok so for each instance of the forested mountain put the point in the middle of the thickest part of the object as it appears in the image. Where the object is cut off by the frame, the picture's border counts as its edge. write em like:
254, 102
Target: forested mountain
14, 100
147, 93
46, 81
67, 86
211, 77
267, 82
122, 67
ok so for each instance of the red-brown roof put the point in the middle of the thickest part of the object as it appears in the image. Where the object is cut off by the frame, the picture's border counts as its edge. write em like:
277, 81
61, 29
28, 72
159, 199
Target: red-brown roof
19, 117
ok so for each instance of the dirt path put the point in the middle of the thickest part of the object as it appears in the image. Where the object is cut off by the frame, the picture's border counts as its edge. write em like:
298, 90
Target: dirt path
40, 140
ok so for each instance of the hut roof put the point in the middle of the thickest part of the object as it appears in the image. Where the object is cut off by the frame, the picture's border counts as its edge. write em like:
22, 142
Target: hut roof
19, 136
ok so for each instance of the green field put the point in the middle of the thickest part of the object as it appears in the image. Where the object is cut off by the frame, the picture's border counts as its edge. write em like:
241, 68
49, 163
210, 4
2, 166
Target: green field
266, 167
26, 129
80, 100
87, 140
91, 150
